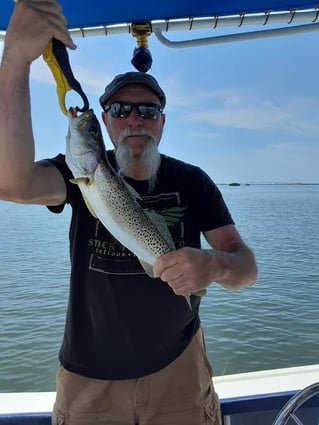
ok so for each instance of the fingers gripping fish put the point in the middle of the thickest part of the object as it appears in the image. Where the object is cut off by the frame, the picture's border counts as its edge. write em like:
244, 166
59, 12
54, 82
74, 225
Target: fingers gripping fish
109, 198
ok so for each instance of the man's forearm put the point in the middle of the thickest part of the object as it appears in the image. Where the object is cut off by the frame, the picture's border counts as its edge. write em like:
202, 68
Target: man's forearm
16, 138
239, 267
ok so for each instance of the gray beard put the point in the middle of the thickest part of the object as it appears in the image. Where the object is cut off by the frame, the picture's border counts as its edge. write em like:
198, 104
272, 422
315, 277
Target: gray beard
149, 161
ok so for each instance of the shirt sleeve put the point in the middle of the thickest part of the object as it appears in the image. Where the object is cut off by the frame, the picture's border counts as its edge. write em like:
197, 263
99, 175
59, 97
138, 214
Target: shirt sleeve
60, 164
212, 211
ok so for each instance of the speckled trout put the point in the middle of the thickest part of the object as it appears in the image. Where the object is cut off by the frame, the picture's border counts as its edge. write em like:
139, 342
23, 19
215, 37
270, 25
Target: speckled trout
109, 198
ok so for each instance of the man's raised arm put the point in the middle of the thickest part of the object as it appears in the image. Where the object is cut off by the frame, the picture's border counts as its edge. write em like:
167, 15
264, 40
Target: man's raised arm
32, 25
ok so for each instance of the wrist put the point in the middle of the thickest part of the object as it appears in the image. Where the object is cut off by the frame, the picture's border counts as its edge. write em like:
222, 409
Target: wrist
218, 265
13, 60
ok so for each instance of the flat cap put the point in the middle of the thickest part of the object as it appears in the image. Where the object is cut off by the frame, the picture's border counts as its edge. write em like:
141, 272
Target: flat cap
123, 80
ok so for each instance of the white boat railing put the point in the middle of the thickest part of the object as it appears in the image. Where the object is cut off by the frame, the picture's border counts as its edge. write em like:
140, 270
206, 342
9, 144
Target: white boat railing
289, 21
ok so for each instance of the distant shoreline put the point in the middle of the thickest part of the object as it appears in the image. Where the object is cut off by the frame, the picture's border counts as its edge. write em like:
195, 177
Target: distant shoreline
267, 184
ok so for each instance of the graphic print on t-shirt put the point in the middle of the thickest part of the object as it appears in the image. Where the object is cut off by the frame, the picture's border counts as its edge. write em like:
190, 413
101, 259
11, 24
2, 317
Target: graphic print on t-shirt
109, 256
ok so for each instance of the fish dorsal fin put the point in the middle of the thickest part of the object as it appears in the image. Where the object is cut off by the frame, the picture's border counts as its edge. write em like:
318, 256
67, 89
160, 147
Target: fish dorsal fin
200, 293
159, 221
131, 190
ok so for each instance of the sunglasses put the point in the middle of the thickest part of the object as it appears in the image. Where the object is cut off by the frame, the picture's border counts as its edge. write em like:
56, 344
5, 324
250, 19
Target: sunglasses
148, 111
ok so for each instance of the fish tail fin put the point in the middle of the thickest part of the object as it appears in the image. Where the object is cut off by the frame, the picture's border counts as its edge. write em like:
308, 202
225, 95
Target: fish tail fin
188, 300
148, 268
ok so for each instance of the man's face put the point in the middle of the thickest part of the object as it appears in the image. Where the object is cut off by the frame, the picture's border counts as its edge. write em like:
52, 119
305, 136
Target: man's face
129, 129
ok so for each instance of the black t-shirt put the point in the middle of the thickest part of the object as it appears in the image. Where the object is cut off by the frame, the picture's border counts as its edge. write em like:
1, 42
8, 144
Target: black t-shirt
122, 324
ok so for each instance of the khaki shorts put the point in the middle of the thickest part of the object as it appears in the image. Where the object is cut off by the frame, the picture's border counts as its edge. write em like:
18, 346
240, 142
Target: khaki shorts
180, 394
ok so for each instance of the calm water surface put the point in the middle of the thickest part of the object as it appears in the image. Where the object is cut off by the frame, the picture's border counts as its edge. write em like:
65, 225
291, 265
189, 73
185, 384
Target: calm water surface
270, 325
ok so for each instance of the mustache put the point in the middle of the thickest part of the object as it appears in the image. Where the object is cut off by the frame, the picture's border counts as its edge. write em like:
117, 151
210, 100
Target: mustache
140, 131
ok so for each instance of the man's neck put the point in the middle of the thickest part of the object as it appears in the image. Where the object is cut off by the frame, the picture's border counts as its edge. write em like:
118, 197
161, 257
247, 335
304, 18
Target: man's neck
136, 172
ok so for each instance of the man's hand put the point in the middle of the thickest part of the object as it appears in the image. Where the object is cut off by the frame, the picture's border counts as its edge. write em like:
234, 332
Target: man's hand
188, 270
32, 25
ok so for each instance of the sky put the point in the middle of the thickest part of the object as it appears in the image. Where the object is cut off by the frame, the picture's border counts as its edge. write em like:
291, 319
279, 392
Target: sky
244, 112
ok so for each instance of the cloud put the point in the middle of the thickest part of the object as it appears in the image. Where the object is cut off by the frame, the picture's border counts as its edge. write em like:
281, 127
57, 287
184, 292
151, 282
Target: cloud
41, 73
92, 79
235, 108
254, 108
252, 117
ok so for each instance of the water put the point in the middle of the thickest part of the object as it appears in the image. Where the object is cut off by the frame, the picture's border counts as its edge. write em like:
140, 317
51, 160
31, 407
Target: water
270, 325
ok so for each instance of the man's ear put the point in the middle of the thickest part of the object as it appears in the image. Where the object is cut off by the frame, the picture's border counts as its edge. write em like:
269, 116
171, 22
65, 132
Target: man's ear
163, 118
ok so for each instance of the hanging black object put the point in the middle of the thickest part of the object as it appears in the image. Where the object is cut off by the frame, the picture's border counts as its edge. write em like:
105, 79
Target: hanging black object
142, 58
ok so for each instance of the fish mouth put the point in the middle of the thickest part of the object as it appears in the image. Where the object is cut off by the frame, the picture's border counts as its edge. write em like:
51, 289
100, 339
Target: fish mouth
72, 112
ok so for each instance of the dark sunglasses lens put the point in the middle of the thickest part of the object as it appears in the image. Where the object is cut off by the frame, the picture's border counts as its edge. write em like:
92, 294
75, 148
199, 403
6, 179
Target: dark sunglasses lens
148, 111
145, 110
120, 110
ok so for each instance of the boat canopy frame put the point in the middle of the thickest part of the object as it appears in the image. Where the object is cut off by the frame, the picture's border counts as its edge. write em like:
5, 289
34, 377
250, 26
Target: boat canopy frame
282, 22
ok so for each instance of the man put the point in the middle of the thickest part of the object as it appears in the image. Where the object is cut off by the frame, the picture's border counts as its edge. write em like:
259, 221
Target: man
133, 351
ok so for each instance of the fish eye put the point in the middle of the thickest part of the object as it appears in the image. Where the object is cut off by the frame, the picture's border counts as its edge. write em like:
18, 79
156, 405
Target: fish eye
93, 130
